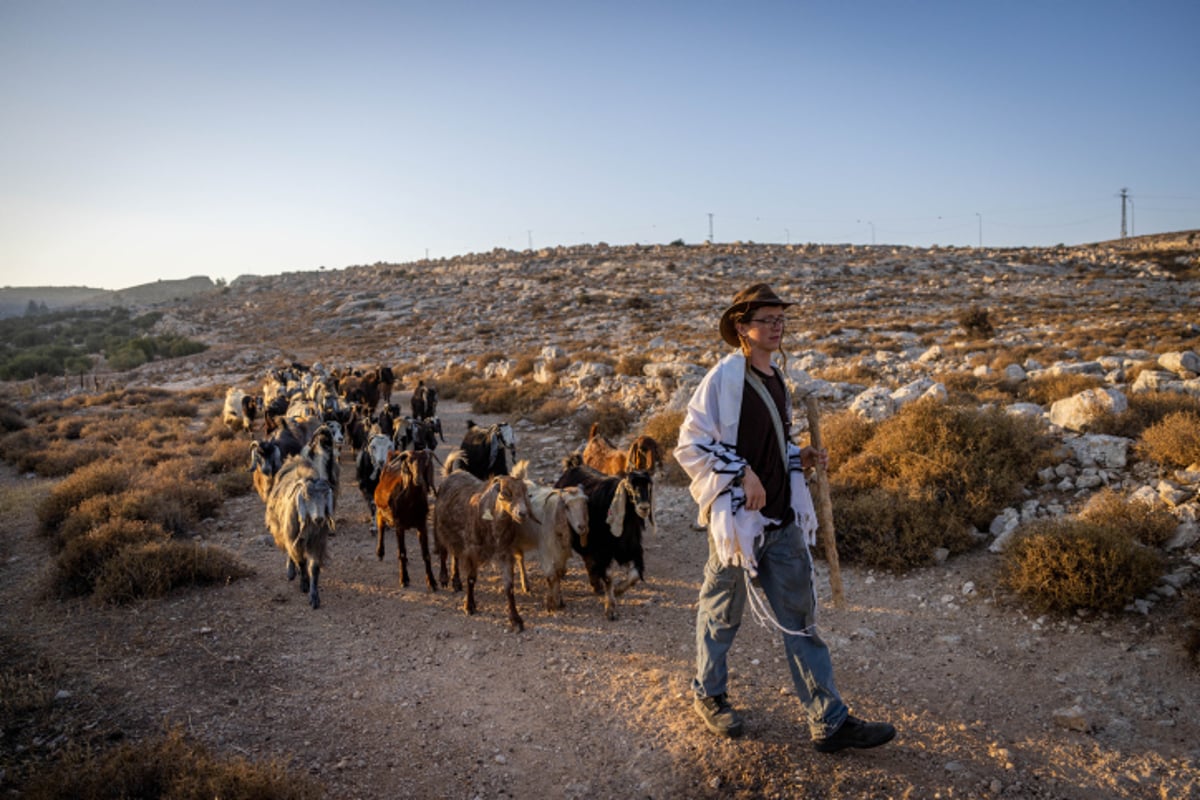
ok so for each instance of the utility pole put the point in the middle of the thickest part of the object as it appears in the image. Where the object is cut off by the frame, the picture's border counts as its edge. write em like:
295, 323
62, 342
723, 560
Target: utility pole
530, 234
710, 228
980, 229
1124, 197
872, 224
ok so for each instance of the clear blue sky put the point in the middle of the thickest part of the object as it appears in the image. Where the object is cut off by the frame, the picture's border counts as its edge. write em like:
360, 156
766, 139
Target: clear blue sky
147, 140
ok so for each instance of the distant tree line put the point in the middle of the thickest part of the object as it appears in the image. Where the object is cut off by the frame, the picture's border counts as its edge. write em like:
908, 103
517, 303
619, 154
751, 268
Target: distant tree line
70, 342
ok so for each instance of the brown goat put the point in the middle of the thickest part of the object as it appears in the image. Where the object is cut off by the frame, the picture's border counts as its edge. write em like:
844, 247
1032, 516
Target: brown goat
643, 453
402, 501
477, 522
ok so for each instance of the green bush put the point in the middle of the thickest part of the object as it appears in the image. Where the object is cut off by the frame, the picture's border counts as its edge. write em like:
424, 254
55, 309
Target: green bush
1064, 564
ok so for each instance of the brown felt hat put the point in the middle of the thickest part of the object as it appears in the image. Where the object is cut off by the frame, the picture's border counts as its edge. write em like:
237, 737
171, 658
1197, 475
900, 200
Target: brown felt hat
748, 299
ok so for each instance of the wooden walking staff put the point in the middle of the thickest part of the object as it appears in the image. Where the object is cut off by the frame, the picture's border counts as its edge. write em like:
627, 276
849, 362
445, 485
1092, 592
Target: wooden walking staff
824, 505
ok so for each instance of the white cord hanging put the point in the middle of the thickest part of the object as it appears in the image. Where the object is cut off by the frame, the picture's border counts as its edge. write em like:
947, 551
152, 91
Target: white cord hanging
763, 616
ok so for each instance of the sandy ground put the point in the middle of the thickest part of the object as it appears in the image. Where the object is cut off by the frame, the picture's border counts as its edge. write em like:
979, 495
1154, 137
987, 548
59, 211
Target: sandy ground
387, 692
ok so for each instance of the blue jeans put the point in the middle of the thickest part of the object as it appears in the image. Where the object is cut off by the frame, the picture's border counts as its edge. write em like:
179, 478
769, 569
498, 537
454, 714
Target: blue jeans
785, 575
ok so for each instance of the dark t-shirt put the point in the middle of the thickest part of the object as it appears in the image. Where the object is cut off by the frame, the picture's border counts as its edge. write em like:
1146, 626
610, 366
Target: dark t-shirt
758, 444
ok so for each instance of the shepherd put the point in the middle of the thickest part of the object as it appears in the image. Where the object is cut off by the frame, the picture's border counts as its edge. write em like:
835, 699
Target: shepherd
747, 476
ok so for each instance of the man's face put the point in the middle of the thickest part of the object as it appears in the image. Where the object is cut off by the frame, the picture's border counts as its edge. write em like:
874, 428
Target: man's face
763, 327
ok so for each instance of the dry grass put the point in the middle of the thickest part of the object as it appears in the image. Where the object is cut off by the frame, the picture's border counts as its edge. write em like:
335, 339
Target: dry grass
1064, 564
631, 365
84, 557
553, 410
1046, 389
99, 478
1146, 524
927, 474
1173, 442
154, 568
169, 767
1146, 409
844, 435
664, 429
854, 372
612, 418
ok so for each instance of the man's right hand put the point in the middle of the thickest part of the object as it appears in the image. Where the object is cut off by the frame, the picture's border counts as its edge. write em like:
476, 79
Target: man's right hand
756, 495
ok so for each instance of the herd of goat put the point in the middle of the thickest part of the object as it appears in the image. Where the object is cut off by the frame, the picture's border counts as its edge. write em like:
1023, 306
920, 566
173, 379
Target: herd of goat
483, 507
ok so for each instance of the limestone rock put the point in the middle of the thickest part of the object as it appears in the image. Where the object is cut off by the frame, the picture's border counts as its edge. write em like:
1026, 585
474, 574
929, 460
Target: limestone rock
1184, 364
875, 404
1075, 413
1100, 450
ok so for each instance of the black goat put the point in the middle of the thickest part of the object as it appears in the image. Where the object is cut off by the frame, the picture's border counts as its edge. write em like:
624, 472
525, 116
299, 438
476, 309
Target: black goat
486, 451
619, 509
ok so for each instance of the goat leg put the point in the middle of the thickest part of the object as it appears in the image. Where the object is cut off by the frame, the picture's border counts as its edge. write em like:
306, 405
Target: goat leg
610, 600
514, 619
554, 599
519, 558
403, 555
380, 527
423, 541
291, 569
443, 574
314, 597
627, 582
469, 602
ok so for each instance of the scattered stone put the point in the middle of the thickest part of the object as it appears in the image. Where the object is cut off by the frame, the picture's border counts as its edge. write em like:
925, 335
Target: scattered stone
1075, 413
1073, 719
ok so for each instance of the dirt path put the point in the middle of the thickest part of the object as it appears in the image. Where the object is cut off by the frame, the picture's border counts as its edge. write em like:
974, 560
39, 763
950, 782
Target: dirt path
387, 692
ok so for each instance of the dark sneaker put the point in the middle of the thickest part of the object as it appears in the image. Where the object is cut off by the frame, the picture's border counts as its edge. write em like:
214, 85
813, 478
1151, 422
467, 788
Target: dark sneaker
856, 733
719, 716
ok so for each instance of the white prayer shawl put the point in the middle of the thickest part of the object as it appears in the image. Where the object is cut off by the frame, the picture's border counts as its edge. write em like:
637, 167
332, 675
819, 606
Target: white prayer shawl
707, 453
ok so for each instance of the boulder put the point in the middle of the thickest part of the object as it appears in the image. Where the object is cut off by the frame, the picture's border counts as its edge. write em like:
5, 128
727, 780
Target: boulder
1100, 450
1025, 410
672, 369
1014, 373
1153, 380
932, 354
1185, 364
544, 372
1004, 527
910, 392
875, 404
1075, 413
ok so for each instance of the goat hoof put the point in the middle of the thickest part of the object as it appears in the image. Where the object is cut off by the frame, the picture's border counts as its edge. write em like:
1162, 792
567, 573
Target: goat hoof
517, 626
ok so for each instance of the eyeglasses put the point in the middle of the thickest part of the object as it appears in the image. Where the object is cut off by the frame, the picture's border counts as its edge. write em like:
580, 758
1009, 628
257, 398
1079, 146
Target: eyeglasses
770, 322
